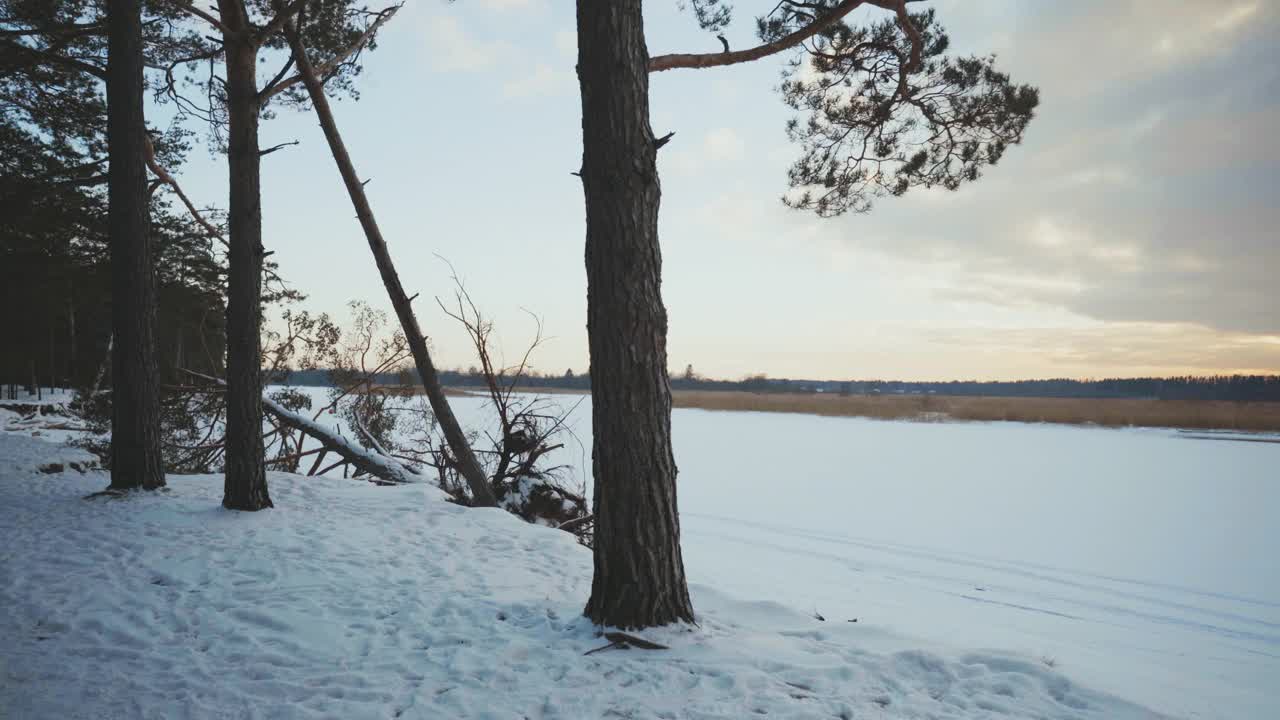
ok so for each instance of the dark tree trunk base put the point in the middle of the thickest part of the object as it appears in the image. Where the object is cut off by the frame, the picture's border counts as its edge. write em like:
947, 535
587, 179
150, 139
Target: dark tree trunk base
250, 501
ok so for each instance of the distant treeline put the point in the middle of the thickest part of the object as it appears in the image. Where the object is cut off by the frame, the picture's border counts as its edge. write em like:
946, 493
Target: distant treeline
1213, 387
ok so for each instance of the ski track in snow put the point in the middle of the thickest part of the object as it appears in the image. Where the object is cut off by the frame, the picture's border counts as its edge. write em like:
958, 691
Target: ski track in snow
1158, 595
1086, 614
354, 601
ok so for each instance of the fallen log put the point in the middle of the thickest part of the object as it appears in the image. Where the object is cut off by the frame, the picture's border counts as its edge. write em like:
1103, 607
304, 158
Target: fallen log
383, 467
363, 459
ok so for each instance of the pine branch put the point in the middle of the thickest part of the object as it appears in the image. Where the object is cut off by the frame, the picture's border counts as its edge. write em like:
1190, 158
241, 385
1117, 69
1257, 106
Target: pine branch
332, 63
817, 25
165, 177
52, 58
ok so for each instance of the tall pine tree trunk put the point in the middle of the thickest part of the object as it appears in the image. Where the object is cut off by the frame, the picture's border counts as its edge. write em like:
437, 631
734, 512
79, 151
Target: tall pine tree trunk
245, 485
639, 574
135, 417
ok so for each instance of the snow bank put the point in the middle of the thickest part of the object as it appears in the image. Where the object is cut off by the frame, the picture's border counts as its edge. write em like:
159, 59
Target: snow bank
22, 455
1139, 562
354, 601
49, 418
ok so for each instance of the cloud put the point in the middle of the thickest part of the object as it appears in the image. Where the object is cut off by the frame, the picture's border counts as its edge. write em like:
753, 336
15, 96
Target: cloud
1100, 177
522, 65
1109, 254
452, 48
542, 80
1235, 17
506, 5
716, 146
1145, 191
723, 144
1123, 348
1080, 45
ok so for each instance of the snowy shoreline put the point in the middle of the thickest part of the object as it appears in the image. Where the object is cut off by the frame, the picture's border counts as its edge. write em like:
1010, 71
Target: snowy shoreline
349, 600
354, 601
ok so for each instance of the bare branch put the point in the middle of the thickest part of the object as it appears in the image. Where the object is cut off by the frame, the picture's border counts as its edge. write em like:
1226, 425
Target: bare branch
274, 148
177, 189
295, 456
267, 89
571, 524
202, 14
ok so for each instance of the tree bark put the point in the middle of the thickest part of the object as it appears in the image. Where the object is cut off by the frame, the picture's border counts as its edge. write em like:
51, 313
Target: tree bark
136, 461
245, 486
639, 573
469, 466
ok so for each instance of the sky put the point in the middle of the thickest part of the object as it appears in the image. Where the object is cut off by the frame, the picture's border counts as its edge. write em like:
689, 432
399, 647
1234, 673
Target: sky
1133, 232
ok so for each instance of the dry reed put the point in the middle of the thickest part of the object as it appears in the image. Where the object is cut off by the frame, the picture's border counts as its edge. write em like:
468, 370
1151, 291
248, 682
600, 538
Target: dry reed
1109, 412
1201, 414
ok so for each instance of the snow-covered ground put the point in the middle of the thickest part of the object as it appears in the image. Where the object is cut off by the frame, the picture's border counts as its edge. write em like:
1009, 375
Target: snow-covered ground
1138, 562
995, 570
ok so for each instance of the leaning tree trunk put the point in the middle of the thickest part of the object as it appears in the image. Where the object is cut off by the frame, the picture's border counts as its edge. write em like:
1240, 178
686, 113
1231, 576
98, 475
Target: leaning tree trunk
102, 368
245, 486
639, 574
468, 466
72, 370
135, 403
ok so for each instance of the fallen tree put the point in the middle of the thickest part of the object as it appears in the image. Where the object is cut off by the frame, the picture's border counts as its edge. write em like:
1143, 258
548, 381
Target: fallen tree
463, 456
371, 461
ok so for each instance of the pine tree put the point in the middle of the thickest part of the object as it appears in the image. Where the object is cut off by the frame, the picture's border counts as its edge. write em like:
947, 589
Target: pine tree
246, 30
888, 111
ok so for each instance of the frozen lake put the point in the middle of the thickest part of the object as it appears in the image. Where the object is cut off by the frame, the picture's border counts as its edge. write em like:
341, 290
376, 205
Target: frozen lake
1139, 562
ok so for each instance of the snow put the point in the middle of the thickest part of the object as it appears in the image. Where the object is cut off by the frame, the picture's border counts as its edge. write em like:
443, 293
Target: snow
23, 454
994, 570
350, 600
1141, 562
43, 416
